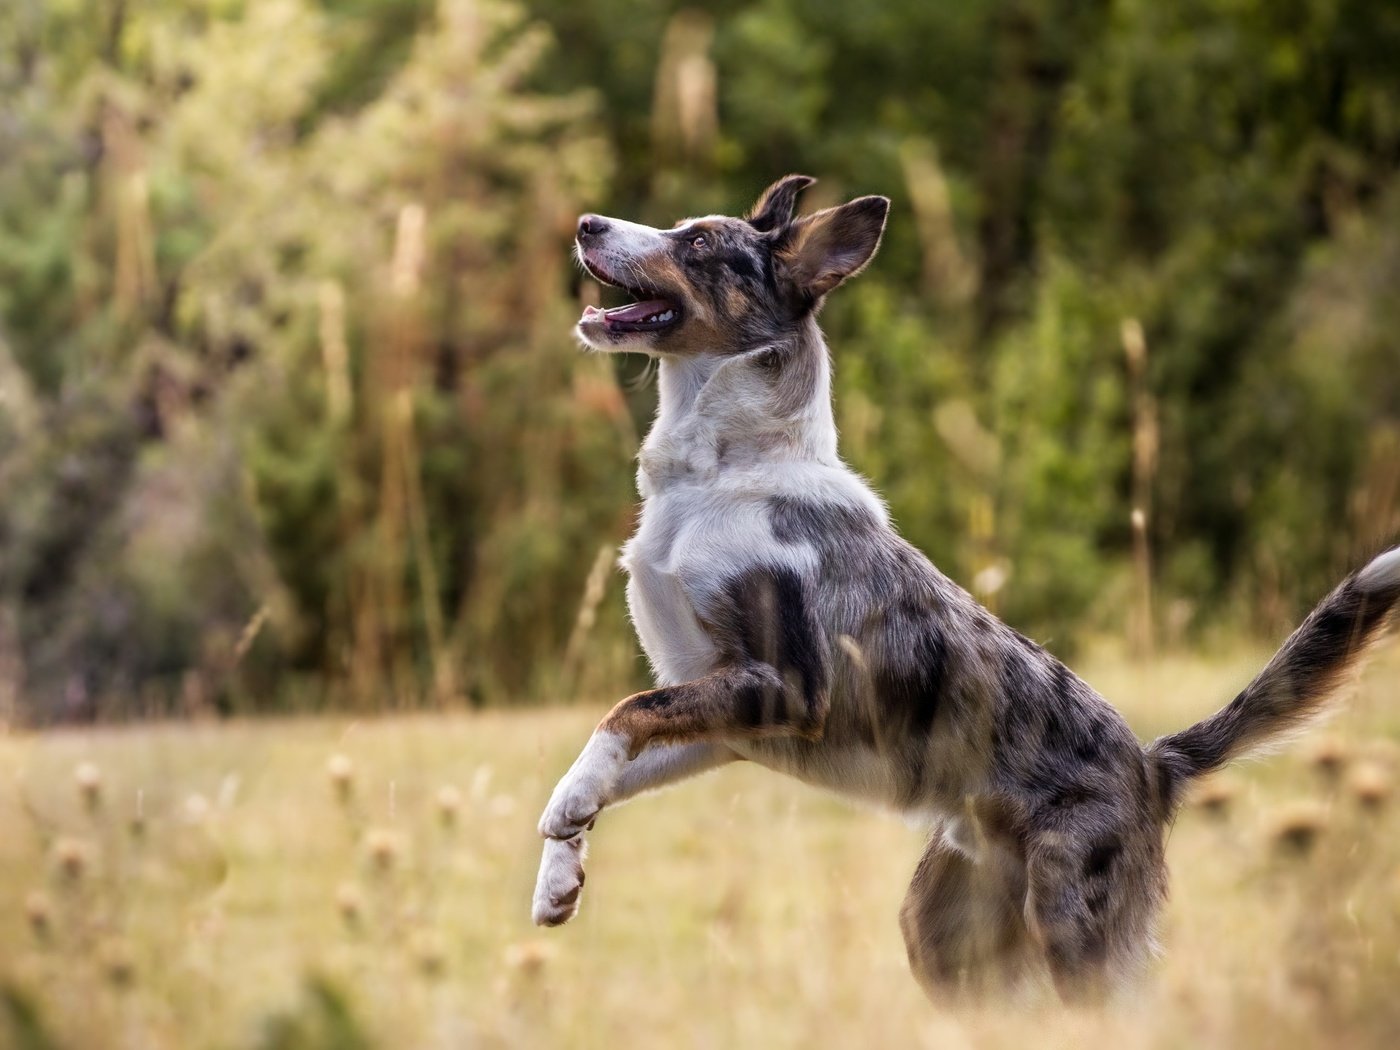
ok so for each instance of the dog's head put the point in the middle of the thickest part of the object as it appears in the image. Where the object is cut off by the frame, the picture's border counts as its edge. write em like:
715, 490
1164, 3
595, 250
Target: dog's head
719, 284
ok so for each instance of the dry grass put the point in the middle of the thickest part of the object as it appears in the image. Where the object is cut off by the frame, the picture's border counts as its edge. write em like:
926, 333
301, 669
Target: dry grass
331, 884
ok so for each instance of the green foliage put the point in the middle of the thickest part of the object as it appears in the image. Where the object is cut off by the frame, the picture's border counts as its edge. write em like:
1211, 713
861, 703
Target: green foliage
1062, 423
343, 307
287, 393
21, 1015
323, 1021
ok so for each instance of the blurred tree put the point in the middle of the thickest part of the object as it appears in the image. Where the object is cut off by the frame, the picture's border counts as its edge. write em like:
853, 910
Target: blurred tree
362, 300
287, 400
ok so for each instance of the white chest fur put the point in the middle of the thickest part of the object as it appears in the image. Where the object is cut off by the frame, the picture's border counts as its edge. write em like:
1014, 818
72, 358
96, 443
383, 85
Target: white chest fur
662, 611
710, 467
691, 541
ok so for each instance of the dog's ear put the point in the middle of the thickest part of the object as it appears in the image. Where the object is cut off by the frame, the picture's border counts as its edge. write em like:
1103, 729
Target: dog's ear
819, 251
775, 207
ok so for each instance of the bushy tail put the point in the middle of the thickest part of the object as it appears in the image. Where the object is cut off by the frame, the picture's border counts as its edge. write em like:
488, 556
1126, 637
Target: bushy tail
1293, 688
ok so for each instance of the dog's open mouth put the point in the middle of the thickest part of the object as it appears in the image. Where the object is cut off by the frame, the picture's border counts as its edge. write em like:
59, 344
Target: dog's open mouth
650, 312
648, 315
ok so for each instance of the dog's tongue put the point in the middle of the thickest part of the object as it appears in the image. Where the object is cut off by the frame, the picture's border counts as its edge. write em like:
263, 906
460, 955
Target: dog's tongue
636, 313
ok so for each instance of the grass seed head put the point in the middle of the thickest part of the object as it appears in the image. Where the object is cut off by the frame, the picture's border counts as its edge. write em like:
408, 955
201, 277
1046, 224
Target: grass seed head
1329, 756
449, 806
1295, 829
40, 915
350, 903
89, 781
118, 966
72, 858
1370, 785
341, 772
385, 849
429, 954
529, 958
1215, 796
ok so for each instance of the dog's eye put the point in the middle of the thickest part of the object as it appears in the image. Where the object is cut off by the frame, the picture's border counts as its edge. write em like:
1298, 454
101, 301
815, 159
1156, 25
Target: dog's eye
698, 243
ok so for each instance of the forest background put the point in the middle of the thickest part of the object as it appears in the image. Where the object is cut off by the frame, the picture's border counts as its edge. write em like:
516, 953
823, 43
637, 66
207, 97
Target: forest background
291, 416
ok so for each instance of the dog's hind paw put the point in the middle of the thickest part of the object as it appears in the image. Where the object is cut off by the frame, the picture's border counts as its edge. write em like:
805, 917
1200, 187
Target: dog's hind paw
560, 882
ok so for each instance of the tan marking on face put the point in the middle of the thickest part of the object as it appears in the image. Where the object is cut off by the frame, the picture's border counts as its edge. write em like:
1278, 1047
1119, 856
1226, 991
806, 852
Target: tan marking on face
662, 269
699, 329
735, 301
703, 327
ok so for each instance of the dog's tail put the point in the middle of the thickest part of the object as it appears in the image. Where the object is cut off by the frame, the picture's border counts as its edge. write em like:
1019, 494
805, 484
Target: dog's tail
1293, 688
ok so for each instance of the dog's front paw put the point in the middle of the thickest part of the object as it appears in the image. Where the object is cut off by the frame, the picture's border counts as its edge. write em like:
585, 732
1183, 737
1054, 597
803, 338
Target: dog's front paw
560, 881
571, 811
585, 789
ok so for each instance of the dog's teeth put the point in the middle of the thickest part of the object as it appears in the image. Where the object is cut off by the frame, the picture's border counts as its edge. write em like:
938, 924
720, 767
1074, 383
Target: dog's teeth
666, 316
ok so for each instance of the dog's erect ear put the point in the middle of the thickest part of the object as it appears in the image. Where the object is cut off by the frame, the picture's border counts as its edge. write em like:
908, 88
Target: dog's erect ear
774, 209
819, 251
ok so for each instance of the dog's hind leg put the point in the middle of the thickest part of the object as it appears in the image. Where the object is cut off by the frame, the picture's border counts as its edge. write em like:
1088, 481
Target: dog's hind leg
962, 920
1091, 902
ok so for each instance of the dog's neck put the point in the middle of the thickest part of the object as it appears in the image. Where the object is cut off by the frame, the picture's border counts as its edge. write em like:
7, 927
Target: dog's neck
720, 414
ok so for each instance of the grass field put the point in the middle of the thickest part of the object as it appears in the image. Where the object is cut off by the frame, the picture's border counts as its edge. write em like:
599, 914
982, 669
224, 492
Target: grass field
338, 883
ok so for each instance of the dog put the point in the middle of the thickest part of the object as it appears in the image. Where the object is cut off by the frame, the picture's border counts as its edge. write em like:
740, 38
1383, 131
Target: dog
788, 624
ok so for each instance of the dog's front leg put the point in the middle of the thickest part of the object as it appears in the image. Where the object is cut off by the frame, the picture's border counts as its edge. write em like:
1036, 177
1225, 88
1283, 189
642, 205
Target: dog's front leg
561, 866
741, 700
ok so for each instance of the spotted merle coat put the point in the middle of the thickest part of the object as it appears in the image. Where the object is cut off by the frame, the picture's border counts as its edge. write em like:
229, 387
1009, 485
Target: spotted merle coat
788, 624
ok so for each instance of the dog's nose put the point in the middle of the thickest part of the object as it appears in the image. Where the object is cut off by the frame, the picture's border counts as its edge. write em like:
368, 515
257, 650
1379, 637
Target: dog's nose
591, 226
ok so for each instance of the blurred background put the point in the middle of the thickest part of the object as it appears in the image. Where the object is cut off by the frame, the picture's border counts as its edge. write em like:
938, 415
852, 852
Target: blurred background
291, 416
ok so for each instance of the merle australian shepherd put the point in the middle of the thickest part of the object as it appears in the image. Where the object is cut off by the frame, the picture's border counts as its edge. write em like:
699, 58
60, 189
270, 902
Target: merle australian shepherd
788, 624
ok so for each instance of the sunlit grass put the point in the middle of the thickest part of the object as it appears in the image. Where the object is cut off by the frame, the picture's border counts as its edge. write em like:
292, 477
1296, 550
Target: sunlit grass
315, 882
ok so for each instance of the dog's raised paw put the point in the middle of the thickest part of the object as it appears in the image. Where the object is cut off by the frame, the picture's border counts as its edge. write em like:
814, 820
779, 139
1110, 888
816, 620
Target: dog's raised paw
569, 815
585, 789
560, 882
